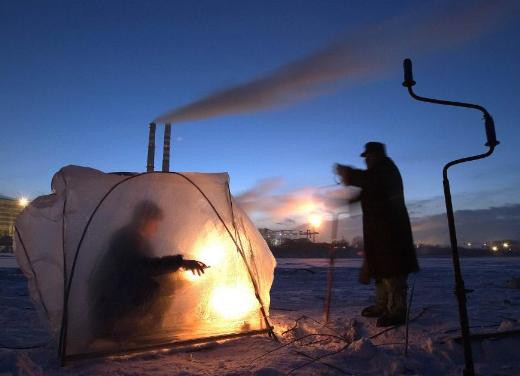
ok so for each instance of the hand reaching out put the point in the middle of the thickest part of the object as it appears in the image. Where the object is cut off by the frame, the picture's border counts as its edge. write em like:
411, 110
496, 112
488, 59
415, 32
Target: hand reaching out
343, 172
196, 267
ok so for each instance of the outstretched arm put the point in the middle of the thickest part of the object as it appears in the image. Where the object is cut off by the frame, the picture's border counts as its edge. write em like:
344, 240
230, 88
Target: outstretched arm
170, 264
162, 265
350, 175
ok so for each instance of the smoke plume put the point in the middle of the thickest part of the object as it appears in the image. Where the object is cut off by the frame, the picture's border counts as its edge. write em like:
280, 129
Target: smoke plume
271, 208
364, 54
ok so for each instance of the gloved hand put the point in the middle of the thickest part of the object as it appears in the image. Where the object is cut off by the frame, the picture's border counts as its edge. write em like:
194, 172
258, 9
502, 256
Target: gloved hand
343, 172
196, 267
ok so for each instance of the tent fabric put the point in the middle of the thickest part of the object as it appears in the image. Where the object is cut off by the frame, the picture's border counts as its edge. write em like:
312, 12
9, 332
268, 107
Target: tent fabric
62, 239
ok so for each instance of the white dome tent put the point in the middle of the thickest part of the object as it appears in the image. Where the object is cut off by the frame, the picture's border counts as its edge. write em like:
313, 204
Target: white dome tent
62, 240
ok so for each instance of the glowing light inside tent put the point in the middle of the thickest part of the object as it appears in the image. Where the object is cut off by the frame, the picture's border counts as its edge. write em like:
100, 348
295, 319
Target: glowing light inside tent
23, 202
315, 220
190, 276
233, 302
211, 251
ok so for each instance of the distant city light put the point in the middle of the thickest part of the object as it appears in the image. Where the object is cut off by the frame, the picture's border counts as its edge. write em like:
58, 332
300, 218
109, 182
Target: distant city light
505, 245
23, 202
315, 220
469, 244
494, 248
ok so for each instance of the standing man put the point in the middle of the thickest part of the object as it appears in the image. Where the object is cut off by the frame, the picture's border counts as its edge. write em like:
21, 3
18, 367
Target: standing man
389, 253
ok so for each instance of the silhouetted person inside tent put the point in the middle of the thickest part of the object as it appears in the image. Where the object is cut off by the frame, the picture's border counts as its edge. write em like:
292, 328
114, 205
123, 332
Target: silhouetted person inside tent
389, 253
126, 298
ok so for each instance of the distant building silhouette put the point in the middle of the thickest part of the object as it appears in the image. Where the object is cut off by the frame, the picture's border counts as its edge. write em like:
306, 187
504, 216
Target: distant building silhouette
9, 210
279, 237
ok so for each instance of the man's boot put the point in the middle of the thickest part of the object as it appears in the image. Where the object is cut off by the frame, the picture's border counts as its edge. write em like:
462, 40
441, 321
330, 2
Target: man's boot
397, 291
373, 311
391, 320
379, 309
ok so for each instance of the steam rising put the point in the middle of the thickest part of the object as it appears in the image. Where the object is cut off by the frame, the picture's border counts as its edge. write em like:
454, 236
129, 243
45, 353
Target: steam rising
267, 206
365, 54
292, 210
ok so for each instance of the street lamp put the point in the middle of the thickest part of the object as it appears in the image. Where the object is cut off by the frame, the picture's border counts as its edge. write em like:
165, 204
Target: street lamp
23, 202
314, 222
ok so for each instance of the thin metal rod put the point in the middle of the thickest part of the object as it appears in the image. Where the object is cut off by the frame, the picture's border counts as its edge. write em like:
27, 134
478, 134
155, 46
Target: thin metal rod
408, 310
445, 102
61, 348
151, 148
488, 120
330, 272
460, 290
166, 148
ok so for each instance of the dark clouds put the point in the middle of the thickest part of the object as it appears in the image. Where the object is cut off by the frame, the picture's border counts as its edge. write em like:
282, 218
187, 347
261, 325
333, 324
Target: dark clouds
478, 226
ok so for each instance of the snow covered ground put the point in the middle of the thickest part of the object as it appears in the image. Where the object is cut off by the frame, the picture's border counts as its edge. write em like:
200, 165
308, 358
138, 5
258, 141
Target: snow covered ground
350, 345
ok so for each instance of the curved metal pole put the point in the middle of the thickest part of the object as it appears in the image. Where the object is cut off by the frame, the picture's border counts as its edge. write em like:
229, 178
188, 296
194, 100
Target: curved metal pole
460, 290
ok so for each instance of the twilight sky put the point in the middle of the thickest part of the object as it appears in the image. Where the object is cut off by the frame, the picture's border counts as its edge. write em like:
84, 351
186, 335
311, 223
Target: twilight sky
81, 80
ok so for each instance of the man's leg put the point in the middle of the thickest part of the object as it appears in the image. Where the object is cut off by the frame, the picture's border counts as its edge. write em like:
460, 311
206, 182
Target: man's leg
381, 295
397, 290
380, 308
160, 303
397, 298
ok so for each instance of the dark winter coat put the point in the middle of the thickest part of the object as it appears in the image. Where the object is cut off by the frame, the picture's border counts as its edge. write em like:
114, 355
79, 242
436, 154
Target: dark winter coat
388, 243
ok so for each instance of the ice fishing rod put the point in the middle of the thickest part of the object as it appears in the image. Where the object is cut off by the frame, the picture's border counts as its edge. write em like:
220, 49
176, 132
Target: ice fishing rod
332, 256
330, 271
491, 143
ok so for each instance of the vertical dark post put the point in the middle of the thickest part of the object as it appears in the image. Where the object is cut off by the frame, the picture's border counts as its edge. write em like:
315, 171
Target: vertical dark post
151, 148
166, 148
330, 272
460, 290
